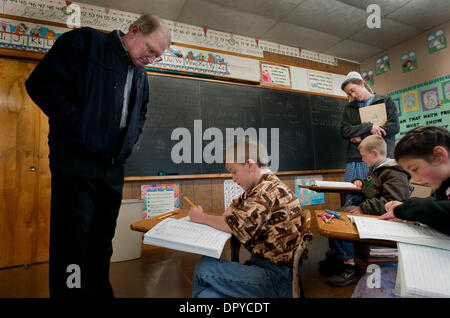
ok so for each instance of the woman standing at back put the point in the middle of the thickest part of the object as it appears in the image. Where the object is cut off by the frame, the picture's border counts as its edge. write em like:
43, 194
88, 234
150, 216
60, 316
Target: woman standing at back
354, 131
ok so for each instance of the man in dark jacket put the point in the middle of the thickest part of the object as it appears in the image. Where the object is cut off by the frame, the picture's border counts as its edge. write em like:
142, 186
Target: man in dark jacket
94, 90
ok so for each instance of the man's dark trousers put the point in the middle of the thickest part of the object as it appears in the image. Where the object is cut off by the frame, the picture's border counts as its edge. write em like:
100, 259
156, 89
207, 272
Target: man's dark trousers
85, 203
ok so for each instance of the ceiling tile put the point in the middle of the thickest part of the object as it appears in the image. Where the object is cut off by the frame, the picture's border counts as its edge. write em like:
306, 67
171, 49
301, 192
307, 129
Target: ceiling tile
390, 34
298, 36
165, 9
352, 50
423, 14
386, 6
330, 16
269, 8
206, 14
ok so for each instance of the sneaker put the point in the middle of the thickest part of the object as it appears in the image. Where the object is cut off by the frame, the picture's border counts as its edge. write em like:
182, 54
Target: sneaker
350, 275
331, 265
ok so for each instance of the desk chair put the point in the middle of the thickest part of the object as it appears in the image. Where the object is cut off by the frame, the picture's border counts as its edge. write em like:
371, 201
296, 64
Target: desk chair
300, 254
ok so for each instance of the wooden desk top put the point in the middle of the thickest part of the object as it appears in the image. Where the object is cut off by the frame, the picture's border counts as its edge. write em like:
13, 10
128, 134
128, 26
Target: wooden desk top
147, 224
344, 229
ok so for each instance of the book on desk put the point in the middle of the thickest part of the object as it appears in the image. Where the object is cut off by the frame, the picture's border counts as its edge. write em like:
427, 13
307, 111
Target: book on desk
334, 184
423, 255
186, 236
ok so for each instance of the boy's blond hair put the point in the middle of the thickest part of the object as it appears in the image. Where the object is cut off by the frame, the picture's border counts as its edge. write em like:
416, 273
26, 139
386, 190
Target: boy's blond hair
373, 142
244, 149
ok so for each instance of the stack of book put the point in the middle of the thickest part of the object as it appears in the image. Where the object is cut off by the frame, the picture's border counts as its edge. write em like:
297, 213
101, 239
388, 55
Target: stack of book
376, 251
423, 255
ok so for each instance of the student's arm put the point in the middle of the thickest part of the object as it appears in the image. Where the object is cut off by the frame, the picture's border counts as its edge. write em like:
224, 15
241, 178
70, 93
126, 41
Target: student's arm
216, 221
428, 211
395, 188
349, 130
392, 126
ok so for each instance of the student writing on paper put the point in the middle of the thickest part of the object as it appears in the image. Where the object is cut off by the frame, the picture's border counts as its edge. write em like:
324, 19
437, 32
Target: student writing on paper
353, 130
425, 153
266, 219
385, 181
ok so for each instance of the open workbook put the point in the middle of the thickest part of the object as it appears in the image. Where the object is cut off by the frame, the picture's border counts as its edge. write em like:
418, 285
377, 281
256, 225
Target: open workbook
184, 235
413, 233
423, 255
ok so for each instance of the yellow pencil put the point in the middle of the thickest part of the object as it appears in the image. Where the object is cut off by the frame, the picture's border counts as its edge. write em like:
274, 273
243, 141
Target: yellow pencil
166, 215
189, 201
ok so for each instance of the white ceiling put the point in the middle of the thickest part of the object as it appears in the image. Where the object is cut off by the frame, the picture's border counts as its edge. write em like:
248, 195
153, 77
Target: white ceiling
334, 27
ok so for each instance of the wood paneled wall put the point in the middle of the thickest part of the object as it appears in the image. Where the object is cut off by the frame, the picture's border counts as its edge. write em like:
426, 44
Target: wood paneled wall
209, 192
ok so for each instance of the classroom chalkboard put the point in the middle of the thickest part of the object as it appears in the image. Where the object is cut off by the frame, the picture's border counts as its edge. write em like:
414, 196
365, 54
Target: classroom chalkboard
308, 126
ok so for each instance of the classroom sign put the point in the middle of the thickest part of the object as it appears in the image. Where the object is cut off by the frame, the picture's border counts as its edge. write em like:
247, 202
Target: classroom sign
183, 59
159, 199
423, 104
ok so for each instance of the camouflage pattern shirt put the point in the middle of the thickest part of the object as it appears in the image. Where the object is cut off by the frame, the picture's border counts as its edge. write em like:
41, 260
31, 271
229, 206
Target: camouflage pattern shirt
267, 220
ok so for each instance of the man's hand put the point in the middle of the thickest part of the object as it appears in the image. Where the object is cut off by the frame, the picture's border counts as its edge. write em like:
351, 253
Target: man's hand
377, 130
355, 140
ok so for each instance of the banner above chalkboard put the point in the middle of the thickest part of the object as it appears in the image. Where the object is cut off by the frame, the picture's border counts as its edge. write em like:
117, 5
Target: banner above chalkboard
109, 19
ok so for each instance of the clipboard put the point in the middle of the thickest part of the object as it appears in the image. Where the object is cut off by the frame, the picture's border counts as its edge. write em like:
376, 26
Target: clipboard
375, 114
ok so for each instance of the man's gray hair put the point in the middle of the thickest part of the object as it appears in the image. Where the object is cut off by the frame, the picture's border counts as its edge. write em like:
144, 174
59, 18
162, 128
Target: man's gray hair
149, 23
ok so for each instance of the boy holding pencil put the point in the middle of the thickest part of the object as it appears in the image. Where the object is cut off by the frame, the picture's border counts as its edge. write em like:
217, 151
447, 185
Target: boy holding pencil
266, 219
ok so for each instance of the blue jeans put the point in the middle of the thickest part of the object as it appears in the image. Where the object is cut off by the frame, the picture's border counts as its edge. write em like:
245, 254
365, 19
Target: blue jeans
261, 278
342, 249
355, 170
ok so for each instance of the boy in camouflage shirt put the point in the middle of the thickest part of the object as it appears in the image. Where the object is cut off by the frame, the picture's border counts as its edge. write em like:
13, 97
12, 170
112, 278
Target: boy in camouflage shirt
266, 219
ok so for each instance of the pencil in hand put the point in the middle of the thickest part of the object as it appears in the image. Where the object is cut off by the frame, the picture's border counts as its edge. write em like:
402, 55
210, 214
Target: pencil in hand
189, 201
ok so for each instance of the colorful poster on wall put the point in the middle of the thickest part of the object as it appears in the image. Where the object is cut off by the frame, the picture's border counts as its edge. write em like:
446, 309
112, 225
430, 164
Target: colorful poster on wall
410, 102
382, 64
429, 99
409, 61
436, 40
427, 103
308, 197
367, 76
397, 102
275, 74
28, 36
446, 91
160, 199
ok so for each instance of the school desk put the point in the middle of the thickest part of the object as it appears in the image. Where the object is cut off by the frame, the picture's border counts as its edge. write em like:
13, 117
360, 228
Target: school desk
344, 229
343, 191
147, 224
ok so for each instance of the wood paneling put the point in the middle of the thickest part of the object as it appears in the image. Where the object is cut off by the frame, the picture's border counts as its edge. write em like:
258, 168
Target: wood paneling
24, 227
209, 192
